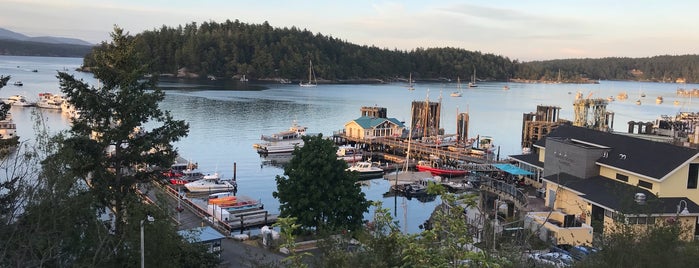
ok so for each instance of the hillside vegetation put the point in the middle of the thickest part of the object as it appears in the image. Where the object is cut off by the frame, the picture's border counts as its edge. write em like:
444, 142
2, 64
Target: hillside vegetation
259, 51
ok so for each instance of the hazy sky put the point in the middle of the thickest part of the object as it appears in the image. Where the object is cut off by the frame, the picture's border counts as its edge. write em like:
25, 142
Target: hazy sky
519, 29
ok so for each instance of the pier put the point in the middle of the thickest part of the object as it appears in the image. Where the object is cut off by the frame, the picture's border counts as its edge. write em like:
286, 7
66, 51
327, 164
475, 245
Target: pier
396, 150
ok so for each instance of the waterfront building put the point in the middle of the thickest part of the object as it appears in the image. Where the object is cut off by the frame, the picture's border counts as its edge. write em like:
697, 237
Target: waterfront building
600, 179
366, 127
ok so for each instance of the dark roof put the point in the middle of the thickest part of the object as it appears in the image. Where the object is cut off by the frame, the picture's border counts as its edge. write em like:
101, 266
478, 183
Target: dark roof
649, 158
619, 196
531, 159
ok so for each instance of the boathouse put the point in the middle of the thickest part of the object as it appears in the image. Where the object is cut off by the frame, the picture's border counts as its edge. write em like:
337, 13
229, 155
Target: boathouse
596, 178
367, 127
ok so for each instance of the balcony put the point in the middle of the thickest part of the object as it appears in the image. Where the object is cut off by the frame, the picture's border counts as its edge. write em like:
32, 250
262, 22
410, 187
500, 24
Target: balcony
559, 228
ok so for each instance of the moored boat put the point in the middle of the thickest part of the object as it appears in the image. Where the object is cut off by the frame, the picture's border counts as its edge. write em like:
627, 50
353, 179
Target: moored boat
50, 101
366, 169
659, 100
209, 183
349, 154
19, 100
18, 83
439, 170
282, 142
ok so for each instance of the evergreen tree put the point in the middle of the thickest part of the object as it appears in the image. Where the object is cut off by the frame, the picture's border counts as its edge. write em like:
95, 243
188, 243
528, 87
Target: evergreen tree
110, 148
318, 191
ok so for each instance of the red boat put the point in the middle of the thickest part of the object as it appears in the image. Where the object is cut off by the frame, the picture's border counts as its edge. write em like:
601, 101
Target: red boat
440, 171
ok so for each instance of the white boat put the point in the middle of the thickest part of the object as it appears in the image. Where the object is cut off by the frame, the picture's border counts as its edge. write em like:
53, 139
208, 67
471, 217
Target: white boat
659, 100
282, 142
210, 183
349, 154
19, 100
366, 169
18, 83
410, 82
243, 79
8, 129
473, 79
457, 93
50, 101
312, 82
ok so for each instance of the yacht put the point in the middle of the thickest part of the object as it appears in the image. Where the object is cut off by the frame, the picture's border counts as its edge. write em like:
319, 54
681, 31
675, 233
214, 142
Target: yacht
209, 183
282, 142
50, 101
19, 100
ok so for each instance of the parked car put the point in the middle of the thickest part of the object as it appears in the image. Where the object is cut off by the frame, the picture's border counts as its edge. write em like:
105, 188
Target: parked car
551, 259
577, 252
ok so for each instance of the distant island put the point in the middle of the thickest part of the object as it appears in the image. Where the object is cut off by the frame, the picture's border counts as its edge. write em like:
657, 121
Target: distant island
17, 44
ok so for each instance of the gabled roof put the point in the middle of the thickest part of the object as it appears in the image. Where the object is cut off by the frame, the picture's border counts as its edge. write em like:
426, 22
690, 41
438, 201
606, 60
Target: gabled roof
367, 122
201, 234
644, 157
618, 196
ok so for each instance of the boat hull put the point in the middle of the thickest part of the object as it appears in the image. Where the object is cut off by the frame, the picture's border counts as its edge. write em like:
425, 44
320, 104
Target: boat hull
442, 171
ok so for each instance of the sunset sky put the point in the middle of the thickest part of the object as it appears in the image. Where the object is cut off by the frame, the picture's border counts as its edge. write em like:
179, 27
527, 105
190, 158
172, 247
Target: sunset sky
523, 30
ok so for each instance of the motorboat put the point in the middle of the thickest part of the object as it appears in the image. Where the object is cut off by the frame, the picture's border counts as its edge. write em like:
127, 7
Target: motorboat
18, 83
349, 154
209, 183
19, 100
282, 142
366, 169
50, 101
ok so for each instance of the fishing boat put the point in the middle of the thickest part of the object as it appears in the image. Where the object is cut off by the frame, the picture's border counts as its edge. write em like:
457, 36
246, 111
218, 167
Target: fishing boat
209, 183
19, 100
458, 92
439, 170
366, 169
282, 142
349, 154
312, 82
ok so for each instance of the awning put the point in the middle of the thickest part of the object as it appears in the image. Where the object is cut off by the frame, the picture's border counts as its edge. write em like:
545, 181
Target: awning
512, 169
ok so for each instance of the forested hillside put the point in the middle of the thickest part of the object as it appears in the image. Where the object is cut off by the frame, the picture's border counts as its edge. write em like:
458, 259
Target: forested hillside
657, 69
31, 48
259, 51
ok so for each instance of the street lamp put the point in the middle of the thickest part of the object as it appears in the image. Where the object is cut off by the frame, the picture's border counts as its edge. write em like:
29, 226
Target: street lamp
143, 259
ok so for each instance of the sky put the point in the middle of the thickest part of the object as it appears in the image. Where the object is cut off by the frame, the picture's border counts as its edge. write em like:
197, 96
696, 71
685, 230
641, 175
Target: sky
524, 30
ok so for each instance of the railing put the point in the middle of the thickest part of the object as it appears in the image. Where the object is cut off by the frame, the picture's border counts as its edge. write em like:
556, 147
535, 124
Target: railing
505, 190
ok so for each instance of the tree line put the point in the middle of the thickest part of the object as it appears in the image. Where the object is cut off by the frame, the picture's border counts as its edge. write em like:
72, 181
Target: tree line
260, 51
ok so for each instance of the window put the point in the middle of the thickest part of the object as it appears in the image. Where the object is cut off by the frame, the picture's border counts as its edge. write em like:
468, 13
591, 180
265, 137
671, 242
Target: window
693, 175
640, 220
622, 177
645, 184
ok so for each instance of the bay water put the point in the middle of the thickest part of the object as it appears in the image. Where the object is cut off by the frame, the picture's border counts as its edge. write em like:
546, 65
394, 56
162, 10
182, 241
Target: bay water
227, 118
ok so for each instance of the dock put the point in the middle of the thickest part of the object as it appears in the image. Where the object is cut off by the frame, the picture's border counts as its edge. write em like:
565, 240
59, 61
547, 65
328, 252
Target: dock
188, 213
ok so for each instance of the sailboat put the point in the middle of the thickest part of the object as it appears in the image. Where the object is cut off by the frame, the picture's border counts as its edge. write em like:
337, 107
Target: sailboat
311, 77
473, 79
410, 82
458, 86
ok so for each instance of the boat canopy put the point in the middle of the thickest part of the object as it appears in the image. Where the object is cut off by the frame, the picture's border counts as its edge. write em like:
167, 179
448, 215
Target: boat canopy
512, 169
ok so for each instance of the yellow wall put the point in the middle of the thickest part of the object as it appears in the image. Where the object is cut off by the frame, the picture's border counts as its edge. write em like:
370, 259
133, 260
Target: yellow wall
353, 130
542, 153
673, 186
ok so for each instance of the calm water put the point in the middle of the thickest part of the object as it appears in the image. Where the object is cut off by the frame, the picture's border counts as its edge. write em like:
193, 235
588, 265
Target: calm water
225, 123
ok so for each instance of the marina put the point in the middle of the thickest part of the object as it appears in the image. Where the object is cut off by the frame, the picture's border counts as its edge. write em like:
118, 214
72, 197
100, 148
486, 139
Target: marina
224, 124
